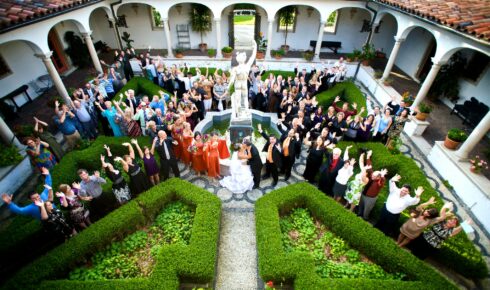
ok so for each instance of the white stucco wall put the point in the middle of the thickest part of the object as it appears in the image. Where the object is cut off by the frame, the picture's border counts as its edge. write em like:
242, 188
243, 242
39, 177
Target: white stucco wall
477, 89
101, 30
413, 50
384, 39
24, 66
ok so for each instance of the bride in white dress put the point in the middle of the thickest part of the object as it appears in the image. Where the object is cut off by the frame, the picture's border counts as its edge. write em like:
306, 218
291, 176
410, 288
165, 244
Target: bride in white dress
241, 179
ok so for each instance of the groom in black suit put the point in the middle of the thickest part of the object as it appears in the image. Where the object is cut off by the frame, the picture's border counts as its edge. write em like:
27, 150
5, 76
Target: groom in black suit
274, 156
164, 147
254, 161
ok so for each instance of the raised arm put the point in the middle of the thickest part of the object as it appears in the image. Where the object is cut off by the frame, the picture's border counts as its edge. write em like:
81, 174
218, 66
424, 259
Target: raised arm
346, 152
252, 56
130, 148
124, 164
42, 210
140, 152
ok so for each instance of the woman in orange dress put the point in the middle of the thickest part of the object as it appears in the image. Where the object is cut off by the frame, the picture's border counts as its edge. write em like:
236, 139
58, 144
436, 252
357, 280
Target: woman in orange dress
213, 157
177, 131
198, 163
187, 137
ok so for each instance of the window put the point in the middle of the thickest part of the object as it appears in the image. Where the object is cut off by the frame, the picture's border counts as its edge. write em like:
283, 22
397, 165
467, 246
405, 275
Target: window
156, 19
287, 19
331, 24
476, 65
4, 68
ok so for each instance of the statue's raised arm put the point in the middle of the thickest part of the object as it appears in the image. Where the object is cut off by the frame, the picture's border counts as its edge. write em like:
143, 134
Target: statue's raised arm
252, 57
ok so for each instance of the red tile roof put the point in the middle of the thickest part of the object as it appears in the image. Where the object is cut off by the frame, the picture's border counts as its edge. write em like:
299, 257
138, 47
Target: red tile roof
17, 12
469, 16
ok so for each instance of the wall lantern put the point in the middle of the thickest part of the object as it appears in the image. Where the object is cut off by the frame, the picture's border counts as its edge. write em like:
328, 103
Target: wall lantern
179, 8
309, 11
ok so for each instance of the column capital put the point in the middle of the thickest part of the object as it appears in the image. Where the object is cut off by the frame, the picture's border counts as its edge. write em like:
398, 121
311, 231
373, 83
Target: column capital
217, 19
44, 55
270, 20
86, 34
322, 22
437, 62
399, 39
165, 20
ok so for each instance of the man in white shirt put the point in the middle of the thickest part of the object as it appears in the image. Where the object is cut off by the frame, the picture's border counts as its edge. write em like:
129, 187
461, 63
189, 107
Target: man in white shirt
398, 200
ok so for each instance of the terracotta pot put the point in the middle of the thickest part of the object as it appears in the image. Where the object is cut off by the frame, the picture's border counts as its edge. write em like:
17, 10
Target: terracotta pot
179, 55
260, 55
277, 56
388, 84
348, 59
450, 144
421, 116
474, 170
285, 47
365, 62
227, 54
203, 47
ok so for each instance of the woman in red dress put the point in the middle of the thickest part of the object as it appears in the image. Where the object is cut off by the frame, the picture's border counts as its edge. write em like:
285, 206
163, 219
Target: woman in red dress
187, 137
177, 131
198, 163
213, 157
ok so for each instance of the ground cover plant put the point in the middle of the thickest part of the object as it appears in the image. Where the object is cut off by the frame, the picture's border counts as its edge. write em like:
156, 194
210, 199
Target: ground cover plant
136, 255
298, 268
192, 263
332, 255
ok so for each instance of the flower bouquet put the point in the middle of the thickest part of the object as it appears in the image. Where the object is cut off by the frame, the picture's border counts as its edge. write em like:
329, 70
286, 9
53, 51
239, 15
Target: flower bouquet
478, 164
192, 148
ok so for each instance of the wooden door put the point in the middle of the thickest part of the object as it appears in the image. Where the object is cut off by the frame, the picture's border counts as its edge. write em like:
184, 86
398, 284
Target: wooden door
58, 57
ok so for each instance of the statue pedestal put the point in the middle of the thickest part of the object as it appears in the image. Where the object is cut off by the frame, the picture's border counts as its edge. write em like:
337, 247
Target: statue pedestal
240, 128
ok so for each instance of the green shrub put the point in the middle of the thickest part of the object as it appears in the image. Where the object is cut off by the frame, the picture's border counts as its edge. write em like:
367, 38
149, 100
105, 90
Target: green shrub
141, 86
457, 135
227, 49
425, 108
347, 91
193, 263
9, 155
298, 268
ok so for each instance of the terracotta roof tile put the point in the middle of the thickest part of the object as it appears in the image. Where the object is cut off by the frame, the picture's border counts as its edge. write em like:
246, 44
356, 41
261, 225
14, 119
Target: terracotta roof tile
462, 15
15, 12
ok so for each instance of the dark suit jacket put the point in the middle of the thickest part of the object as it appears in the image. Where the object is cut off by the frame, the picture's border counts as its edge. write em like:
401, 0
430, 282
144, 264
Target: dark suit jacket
276, 151
255, 162
326, 165
294, 145
161, 150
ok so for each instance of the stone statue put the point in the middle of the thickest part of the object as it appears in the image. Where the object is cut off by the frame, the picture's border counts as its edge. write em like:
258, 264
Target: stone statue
239, 77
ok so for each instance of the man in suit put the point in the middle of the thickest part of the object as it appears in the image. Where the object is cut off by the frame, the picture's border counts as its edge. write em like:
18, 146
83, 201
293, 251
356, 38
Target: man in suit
254, 161
163, 145
291, 148
274, 156
329, 171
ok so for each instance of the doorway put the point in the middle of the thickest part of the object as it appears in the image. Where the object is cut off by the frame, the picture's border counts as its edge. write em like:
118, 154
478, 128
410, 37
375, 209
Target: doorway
427, 60
58, 57
244, 26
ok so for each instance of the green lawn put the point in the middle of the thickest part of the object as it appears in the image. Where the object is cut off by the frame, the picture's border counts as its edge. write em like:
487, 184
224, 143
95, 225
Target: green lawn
244, 20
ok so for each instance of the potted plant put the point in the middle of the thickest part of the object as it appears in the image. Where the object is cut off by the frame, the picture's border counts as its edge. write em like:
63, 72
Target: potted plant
356, 54
308, 55
378, 74
477, 164
380, 54
200, 21
287, 16
179, 52
278, 54
227, 51
447, 82
407, 98
368, 53
423, 111
9, 155
261, 46
211, 52
394, 145
387, 81
454, 137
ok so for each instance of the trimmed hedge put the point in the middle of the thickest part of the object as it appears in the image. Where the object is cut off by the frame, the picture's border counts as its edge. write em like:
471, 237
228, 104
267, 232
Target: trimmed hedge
193, 263
298, 268
459, 251
141, 86
347, 91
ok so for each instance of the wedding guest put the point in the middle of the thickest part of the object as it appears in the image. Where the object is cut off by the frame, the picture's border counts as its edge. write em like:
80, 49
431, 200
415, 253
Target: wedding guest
70, 199
120, 188
151, 166
47, 137
65, 120
329, 171
343, 176
109, 112
139, 181
198, 162
39, 153
164, 147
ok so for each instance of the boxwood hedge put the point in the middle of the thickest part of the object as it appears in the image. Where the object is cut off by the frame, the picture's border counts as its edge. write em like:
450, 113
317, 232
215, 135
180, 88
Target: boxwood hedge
141, 86
194, 263
347, 91
298, 268
459, 251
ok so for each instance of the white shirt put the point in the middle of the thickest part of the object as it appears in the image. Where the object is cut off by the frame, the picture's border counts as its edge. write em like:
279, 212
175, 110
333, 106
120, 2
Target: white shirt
396, 204
344, 175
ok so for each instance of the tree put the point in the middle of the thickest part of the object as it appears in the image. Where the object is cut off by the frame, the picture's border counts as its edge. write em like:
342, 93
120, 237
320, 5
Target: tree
76, 50
446, 82
287, 16
200, 19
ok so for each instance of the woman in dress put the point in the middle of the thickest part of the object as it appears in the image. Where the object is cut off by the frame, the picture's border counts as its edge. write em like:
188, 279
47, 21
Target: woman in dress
47, 137
315, 157
187, 137
421, 219
177, 131
72, 200
139, 181
343, 175
384, 125
338, 126
211, 148
39, 153
198, 163
129, 126
54, 221
365, 129
356, 185
148, 156
398, 125
120, 188
241, 178
110, 114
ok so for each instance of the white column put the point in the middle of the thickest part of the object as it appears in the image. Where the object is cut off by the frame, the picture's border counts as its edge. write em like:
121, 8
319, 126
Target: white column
269, 41
167, 37
478, 133
319, 40
424, 89
217, 22
391, 60
53, 73
92, 51
8, 136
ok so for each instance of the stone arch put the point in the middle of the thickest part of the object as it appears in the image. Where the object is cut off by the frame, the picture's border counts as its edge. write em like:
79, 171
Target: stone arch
385, 32
447, 55
101, 27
